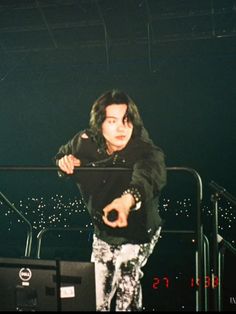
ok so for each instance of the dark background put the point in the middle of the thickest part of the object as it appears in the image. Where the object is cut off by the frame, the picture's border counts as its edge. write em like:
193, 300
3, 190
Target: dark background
176, 59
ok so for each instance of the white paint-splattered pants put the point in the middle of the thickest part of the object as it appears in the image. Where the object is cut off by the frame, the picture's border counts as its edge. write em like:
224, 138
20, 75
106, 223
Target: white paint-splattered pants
118, 270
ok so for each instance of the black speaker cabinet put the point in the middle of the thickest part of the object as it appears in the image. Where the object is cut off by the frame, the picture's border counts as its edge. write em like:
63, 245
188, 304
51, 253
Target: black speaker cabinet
28, 285
46, 285
77, 286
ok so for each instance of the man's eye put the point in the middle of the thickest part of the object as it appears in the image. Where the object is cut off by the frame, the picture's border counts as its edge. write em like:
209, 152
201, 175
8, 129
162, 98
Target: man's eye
126, 121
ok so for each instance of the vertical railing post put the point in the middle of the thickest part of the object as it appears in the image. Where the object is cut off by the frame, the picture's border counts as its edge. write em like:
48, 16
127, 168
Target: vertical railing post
199, 235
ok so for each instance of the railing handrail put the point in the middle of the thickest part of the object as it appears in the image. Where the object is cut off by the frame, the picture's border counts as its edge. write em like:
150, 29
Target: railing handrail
44, 230
199, 228
220, 190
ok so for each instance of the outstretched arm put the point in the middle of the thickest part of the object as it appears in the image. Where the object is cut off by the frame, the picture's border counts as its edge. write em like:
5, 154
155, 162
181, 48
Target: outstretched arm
148, 179
122, 205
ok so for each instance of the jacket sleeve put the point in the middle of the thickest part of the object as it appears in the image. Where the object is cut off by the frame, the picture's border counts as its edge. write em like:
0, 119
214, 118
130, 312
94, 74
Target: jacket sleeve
75, 147
149, 174
71, 147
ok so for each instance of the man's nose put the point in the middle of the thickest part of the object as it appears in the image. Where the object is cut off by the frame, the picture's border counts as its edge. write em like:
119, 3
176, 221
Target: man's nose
121, 126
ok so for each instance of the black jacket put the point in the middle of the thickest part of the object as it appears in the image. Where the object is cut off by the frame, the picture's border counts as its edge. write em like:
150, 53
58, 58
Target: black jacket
98, 188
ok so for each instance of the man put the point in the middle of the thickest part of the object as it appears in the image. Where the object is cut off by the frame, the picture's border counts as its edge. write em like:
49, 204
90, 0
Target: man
115, 138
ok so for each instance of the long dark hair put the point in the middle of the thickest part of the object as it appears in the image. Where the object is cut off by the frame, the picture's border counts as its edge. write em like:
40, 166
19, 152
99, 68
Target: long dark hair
98, 113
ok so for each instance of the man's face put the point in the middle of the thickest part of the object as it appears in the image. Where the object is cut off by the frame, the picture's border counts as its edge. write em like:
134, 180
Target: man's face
116, 129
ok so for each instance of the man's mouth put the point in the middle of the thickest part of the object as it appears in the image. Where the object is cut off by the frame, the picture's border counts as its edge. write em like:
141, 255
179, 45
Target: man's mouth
120, 137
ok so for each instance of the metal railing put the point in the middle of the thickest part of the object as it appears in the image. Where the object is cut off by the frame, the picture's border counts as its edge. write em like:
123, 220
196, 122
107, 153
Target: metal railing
200, 240
42, 233
29, 237
218, 254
